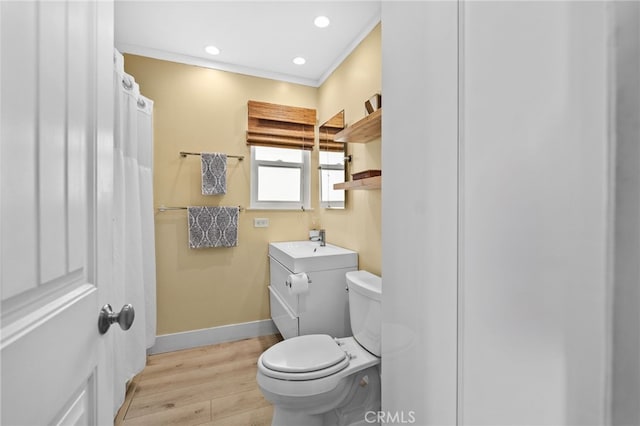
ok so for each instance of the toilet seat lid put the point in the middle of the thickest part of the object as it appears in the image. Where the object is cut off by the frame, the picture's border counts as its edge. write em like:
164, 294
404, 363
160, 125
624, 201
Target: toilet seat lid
303, 354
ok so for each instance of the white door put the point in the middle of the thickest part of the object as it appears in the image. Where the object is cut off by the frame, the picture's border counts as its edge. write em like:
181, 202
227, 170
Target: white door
56, 189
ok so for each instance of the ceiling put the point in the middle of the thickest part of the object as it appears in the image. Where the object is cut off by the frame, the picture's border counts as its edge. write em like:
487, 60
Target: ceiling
258, 38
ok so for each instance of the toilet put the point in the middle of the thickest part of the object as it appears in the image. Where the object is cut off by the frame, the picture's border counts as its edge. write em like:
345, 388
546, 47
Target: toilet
317, 379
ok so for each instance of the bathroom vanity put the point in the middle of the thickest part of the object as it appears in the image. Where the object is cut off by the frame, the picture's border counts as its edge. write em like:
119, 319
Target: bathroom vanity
321, 307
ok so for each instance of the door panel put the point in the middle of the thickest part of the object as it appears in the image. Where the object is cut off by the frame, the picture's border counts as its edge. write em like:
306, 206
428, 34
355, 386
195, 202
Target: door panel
45, 361
50, 163
79, 412
19, 105
46, 135
79, 112
54, 362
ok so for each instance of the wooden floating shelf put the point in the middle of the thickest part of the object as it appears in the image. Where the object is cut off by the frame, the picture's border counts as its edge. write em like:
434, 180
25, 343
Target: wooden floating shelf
362, 131
374, 182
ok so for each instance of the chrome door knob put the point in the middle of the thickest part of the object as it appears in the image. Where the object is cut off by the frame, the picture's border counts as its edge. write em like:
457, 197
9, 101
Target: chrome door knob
107, 317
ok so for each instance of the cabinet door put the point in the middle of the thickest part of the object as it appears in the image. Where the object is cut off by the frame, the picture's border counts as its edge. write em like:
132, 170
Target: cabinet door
278, 274
284, 319
325, 309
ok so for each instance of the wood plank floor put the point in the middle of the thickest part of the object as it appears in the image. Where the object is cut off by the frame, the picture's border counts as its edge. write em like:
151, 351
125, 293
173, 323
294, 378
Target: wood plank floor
209, 385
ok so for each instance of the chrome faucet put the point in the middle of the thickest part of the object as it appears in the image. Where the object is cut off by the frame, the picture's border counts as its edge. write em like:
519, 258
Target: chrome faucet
323, 241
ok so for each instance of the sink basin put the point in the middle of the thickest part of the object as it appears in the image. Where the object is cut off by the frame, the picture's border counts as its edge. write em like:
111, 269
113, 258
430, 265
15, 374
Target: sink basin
308, 256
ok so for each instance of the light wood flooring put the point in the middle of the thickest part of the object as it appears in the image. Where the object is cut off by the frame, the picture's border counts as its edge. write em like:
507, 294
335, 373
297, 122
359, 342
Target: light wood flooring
209, 385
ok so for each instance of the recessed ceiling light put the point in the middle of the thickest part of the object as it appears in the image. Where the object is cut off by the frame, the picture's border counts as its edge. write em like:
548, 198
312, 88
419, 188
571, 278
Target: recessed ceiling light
212, 50
321, 22
299, 61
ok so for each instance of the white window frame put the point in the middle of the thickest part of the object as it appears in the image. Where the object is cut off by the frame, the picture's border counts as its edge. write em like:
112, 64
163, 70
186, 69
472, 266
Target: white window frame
305, 183
330, 204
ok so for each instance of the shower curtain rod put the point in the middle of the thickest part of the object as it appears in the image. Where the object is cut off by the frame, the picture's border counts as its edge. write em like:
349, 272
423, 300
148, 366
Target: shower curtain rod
164, 208
184, 154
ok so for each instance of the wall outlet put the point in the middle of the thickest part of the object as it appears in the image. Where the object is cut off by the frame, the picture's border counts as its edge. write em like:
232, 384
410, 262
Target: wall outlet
260, 222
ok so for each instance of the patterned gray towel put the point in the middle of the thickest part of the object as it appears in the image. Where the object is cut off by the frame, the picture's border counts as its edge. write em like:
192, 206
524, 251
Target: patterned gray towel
213, 226
214, 173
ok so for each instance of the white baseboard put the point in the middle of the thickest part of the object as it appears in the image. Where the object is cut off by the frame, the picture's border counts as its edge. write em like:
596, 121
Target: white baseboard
212, 336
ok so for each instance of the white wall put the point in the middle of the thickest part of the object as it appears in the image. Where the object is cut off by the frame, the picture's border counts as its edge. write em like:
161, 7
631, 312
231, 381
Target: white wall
419, 209
533, 204
516, 290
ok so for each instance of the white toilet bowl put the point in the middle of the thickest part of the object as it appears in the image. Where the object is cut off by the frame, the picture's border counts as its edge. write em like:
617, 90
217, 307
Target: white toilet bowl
317, 380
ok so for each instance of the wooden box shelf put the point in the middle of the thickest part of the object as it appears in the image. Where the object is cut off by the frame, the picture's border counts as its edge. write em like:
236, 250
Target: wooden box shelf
374, 182
362, 131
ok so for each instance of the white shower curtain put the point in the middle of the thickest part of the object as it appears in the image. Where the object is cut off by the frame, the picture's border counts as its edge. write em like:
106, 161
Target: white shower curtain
134, 241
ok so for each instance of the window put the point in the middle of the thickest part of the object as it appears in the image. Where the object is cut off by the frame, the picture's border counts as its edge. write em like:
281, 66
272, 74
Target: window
331, 172
280, 137
280, 178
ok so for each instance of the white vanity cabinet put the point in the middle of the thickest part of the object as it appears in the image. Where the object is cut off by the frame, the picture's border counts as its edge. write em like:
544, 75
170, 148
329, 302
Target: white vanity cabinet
324, 308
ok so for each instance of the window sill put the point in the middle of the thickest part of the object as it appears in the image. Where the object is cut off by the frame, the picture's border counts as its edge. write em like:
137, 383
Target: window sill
271, 209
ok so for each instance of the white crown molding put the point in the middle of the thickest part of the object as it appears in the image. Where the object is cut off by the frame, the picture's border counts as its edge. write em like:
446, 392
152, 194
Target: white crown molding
205, 63
350, 48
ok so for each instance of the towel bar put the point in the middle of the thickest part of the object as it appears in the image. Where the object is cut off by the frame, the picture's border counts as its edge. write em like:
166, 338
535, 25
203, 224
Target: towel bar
183, 154
163, 208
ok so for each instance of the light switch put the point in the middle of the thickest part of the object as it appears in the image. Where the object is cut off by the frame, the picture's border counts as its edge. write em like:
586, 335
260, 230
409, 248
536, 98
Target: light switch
260, 222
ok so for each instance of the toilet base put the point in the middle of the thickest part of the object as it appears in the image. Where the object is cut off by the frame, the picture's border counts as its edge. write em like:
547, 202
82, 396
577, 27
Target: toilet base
360, 394
285, 417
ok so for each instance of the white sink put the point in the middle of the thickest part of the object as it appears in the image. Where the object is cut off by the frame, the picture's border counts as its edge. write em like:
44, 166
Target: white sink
307, 256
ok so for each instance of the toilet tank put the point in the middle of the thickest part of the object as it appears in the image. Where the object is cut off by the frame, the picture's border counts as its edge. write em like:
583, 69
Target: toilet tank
365, 294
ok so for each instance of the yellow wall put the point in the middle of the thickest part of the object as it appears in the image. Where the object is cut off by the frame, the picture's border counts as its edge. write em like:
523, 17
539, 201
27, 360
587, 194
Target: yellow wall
199, 109
358, 227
